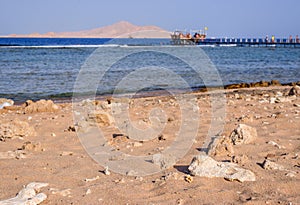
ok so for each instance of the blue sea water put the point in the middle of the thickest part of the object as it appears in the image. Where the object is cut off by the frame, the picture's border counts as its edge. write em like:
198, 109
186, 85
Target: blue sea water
34, 68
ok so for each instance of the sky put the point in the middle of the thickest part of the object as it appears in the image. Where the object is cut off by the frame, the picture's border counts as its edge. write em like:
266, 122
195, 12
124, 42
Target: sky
224, 18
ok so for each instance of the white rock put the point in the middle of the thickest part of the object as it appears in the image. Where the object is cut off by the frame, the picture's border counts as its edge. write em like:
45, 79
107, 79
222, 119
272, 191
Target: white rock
92, 179
272, 100
64, 192
106, 171
275, 144
205, 166
5, 103
88, 192
28, 195
137, 144
290, 174
243, 134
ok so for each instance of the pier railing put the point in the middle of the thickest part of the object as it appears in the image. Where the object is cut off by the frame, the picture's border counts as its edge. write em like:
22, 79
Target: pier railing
258, 42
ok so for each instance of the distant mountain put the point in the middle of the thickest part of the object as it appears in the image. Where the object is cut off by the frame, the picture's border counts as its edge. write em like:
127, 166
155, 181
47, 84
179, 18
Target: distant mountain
122, 29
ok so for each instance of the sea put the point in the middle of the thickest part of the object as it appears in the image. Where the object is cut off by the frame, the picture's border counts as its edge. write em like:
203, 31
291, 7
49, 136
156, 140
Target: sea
56, 68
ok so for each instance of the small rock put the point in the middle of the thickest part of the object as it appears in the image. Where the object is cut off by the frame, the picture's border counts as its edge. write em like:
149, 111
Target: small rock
92, 179
72, 128
220, 146
6, 103
296, 105
88, 192
294, 91
30, 146
64, 192
131, 173
139, 178
163, 161
275, 144
18, 154
53, 135
239, 159
100, 117
179, 201
205, 166
137, 144
188, 178
243, 134
161, 137
269, 165
290, 174
272, 100
106, 171
275, 83
66, 153
120, 181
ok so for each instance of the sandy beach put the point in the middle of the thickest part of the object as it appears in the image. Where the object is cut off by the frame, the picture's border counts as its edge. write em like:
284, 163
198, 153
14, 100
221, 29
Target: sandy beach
39, 143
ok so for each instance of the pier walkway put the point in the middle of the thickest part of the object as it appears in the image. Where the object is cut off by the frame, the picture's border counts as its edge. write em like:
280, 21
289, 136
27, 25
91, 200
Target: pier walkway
242, 42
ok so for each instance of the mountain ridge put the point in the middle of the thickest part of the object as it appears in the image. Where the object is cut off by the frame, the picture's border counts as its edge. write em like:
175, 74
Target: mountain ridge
121, 29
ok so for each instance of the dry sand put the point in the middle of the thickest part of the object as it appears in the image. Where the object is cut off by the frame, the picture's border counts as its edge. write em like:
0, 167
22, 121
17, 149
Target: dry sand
55, 155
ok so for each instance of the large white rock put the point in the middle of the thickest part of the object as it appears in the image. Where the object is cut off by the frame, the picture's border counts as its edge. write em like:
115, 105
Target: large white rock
28, 195
205, 166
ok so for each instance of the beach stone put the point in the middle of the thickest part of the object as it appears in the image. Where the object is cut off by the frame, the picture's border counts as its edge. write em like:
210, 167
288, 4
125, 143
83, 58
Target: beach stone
100, 117
163, 161
275, 83
28, 196
18, 154
5, 103
239, 159
295, 90
243, 134
15, 129
220, 146
106, 171
40, 106
236, 86
64, 192
30, 146
269, 165
205, 166
260, 84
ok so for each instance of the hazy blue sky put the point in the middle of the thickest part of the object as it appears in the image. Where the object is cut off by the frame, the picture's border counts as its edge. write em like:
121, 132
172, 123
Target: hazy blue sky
231, 18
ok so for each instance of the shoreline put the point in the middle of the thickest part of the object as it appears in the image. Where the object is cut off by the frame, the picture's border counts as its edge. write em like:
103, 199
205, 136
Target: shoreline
157, 93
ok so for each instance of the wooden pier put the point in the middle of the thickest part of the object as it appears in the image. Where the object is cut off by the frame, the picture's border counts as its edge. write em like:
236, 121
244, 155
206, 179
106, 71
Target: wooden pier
239, 42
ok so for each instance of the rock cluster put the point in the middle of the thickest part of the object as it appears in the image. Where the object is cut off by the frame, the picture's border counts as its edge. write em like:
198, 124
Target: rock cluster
15, 129
40, 106
258, 84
